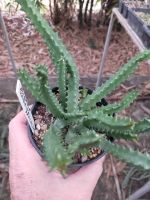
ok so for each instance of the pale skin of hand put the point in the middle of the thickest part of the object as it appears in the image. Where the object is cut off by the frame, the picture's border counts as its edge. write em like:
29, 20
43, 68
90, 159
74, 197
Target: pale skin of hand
31, 178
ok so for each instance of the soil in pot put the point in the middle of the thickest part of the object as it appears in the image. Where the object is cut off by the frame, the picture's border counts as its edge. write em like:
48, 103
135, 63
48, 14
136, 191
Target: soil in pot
43, 119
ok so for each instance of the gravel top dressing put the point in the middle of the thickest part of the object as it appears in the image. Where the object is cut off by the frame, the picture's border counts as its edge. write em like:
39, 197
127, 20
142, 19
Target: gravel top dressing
42, 120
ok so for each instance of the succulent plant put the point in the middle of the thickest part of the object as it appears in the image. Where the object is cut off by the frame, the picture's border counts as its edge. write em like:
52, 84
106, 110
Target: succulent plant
79, 123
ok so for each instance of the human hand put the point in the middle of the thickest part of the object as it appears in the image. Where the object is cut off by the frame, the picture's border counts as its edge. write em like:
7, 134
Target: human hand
30, 177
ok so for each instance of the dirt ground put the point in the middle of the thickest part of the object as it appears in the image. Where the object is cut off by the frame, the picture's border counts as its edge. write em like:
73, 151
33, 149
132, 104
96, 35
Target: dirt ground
85, 45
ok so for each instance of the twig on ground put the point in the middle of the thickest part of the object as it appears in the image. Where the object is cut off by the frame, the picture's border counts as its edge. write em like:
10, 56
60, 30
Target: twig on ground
116, 179
7, 43
139, 193
8, 100
145, 109
127, 88
126, 180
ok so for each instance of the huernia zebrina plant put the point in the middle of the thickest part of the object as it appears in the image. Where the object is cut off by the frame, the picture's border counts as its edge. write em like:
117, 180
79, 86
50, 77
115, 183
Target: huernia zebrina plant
79, 123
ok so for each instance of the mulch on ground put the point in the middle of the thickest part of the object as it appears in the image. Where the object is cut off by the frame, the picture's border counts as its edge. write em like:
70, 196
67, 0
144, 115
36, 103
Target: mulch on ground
85, 45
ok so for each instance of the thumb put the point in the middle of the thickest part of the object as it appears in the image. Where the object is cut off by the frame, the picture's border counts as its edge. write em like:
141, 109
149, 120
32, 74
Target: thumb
19, 143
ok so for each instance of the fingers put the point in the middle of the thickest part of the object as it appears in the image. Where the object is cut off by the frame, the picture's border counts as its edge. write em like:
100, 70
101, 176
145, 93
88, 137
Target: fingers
18, 129
19, 118
93, 168
90, 172
19, 143
86, 178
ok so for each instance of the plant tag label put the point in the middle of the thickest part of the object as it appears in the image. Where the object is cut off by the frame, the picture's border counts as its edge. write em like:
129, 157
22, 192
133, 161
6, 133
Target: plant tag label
24, 103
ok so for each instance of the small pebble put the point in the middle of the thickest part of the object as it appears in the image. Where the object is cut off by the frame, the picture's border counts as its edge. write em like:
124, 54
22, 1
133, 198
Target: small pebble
38, 116
92, 150
44, 127
84, 158
36, 133
94, 155
91, 156
39, 136
98, 151
42, 137
38, 127
37, 121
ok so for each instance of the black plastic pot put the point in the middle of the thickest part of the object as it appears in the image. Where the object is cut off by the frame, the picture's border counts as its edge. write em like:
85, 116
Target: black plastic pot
142, 30
73, 167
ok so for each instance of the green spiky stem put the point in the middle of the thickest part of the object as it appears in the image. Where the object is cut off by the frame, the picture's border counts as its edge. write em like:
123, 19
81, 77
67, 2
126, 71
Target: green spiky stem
73, 91
116, 134
125, 103
142, 126
40, 89
32, 84
82, 142
117, 128
58, 51
54, 151
127, 155
101, 92
62, 84
112, 122
75, 132
56, 47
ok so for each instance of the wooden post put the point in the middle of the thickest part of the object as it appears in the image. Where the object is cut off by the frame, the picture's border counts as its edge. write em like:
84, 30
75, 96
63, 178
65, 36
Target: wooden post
7, 42
111, 23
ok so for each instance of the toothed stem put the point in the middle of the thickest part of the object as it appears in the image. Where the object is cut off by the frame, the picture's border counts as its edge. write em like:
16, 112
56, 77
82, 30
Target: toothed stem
142, 126
62, 84
54, 151
125, 103
127, 155
60, 56
124, 72
73, 91
39, 87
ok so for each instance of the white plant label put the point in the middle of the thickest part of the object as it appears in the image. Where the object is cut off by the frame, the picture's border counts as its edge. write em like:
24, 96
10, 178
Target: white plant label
24, 103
